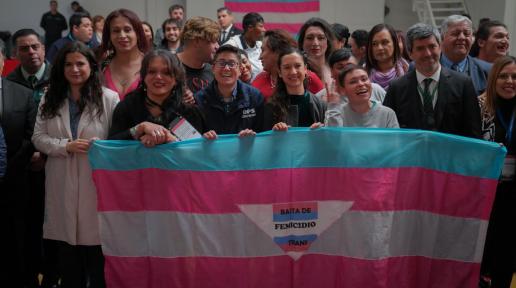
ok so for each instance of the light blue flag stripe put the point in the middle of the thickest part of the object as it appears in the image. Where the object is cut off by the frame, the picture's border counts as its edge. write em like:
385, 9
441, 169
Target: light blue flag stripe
335, 147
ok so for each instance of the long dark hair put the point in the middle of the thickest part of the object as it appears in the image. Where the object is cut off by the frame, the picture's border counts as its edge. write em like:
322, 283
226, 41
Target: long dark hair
396, 55
328, 32
91, 91
174, 100
107, 48
280, 100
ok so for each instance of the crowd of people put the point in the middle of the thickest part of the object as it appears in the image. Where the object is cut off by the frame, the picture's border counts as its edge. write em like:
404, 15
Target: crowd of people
114, 78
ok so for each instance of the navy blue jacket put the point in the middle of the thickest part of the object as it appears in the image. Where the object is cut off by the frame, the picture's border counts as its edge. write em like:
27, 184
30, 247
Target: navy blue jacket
244, 112
52, 51
478, 71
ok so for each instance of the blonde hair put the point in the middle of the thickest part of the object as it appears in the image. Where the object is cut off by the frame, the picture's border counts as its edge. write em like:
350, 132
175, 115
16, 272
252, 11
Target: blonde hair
490, 94
200, 28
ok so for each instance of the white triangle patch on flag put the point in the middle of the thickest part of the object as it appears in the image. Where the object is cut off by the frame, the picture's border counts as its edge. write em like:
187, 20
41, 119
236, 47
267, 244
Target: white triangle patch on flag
295, 226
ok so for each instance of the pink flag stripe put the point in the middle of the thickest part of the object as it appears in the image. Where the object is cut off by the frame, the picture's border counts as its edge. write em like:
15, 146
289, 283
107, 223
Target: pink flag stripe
371, 189
283, 271
292, 28
295, 7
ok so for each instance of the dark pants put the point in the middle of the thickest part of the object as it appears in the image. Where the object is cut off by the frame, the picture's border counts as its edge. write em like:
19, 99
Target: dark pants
81, 266
500, 249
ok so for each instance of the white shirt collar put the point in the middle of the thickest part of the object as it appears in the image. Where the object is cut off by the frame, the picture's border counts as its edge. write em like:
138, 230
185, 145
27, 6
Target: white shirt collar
435, 76
227, 29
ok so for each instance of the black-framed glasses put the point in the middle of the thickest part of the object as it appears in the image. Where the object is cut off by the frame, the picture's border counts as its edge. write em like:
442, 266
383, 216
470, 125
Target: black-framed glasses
223, 63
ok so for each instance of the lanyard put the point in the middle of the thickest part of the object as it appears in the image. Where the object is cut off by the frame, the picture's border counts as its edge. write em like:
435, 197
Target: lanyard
508, 128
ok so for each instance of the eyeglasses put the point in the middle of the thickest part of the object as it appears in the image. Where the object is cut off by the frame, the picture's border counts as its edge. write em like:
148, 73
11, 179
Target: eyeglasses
26, 48
222, 64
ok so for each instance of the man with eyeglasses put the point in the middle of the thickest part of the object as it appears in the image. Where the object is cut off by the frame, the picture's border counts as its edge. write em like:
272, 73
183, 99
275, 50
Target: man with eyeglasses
457, 36
229, 105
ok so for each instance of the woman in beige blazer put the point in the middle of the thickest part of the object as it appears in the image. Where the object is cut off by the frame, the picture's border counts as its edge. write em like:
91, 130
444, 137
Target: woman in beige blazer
75, 111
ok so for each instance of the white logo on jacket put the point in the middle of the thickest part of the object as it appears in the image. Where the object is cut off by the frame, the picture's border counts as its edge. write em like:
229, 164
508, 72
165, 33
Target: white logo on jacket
248, 113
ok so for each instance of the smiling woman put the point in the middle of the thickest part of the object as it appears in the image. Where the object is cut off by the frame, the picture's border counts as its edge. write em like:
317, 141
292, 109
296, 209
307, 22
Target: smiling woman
74, 112
498, 106
292, 104
148, 113
360, 111
123, 47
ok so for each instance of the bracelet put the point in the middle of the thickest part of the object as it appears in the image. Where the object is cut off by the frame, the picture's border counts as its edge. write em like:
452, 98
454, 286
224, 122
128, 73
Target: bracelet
132, 130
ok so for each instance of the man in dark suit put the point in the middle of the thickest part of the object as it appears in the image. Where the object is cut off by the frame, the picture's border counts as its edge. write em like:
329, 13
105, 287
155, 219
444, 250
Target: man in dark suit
17, 117
227, 29
34, 73
457, 33
432, 97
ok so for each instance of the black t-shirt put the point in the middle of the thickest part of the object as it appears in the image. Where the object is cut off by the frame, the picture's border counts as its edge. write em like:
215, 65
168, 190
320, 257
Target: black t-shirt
197, 79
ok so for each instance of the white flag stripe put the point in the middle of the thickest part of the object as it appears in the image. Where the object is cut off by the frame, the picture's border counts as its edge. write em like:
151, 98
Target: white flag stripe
357, 234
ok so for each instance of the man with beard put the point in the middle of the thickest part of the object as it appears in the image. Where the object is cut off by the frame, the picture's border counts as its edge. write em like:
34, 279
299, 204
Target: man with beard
432, 97
200, 42
172, 28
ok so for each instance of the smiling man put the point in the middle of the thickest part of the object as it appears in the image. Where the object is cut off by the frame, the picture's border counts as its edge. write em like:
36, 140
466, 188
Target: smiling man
457, 36
432, 97
229, 105
492, 41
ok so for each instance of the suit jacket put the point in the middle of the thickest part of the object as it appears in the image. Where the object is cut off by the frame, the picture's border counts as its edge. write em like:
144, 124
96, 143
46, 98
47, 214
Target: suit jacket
68, 175
456, 110
18, 117
17, 76
232, 32
478, 71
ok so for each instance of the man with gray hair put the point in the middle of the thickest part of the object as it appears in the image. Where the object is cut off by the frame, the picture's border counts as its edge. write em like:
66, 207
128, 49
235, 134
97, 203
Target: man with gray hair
457, 36
433, 97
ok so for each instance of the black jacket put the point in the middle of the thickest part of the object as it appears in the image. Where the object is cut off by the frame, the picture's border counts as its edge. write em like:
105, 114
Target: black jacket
456, 111
245, 112
132, 111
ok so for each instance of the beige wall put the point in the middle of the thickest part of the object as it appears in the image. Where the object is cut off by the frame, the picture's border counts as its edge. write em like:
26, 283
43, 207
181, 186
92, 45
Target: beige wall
353, 13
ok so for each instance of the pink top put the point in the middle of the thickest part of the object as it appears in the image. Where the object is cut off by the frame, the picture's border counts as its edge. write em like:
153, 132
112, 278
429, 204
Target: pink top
111, 84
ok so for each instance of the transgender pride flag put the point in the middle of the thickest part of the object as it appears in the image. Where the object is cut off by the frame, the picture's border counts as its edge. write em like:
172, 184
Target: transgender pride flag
278, 14
373, 208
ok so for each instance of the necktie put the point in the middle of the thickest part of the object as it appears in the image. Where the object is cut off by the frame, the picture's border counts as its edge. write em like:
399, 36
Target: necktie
427, 96
223, 37
32, 81
455, 67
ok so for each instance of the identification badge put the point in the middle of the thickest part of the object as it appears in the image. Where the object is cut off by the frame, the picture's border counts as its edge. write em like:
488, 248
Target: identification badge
509, 166
183, 130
